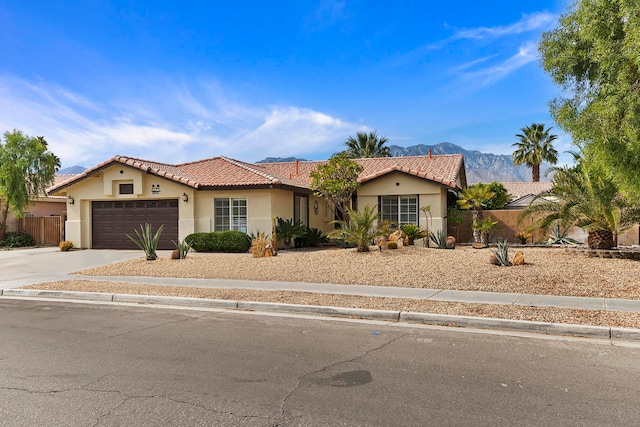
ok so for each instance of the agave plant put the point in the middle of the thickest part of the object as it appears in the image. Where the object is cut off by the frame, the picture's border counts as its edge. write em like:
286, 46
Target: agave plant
146, 240
183, 248
439, 238
502, 253
558, 236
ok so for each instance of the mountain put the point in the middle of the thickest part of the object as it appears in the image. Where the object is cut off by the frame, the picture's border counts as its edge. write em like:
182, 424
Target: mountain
280, 159
481, 167
73, 170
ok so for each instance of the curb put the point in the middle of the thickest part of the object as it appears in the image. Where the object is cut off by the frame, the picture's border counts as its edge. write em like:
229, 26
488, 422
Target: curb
586, 331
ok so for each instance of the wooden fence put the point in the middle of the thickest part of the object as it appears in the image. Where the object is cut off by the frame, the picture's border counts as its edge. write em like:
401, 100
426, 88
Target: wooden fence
46, 230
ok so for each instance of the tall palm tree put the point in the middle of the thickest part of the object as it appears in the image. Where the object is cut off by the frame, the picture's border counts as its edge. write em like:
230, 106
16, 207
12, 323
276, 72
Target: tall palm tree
366, 145
535, 146
476, 198
587, 197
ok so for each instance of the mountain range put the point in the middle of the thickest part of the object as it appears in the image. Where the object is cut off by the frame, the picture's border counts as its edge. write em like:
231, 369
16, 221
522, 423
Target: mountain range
480, 167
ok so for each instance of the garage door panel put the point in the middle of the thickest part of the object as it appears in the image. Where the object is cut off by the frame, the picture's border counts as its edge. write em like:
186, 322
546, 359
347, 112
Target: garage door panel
111, 221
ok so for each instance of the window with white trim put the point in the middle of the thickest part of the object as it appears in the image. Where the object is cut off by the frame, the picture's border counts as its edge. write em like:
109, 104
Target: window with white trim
399, 209
230, 214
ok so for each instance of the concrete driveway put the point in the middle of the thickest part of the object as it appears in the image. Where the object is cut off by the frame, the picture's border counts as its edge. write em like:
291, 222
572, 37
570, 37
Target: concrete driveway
20, 267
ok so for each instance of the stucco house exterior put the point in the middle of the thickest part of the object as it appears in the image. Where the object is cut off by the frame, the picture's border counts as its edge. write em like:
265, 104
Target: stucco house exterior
109, 200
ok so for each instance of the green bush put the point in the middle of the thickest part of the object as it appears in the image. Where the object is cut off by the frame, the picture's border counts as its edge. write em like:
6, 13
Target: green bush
17, 240
220, 241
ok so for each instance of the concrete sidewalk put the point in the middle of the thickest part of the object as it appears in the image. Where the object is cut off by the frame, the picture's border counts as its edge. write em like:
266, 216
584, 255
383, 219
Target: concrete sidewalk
606, 304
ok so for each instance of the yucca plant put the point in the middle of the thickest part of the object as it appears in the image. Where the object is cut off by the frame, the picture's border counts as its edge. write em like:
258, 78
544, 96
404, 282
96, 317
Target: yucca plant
439, 238
413, 232
502, 253
146, 240
183, 248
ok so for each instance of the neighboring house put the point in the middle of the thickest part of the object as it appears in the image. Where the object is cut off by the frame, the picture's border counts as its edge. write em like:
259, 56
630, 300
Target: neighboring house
523, 193
109, 200
42, 205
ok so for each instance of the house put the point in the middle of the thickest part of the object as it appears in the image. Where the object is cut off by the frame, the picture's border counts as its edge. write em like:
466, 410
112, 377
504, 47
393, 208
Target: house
109, 200
523, 193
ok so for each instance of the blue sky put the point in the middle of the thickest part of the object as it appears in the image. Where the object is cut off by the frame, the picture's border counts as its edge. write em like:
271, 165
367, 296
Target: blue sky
179, 81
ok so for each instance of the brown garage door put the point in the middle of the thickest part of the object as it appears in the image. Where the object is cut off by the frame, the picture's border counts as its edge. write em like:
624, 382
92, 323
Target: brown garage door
112, 221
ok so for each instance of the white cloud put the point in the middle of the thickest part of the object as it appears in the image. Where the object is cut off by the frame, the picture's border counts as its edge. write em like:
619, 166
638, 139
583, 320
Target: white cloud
527, 23
526, 53
188, 124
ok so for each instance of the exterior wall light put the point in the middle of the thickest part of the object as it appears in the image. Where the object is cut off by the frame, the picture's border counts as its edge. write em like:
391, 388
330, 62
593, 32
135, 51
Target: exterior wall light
185, 197
71, 201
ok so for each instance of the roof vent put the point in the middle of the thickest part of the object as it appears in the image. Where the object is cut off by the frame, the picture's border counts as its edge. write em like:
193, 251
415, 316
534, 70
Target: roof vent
429, 153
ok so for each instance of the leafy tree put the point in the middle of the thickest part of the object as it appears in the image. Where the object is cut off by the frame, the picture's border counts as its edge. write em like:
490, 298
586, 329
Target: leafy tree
500, 196
476, 198
593, 56
27, 168
360, 229
366, 145
336, 181
585, 196
535, 146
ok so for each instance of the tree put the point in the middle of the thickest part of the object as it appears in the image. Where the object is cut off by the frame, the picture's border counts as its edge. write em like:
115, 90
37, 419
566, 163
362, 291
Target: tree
585, 196
27, 168
535, 146
336, 181
475, 198
360, 229
593, 56
500, 196
366, 145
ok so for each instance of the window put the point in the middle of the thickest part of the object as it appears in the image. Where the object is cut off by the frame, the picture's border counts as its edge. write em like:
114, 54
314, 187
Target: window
301, 209
229, 214
126, 188
399, 209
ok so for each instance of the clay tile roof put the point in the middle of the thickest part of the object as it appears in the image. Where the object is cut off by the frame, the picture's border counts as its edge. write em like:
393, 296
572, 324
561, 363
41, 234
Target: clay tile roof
521, 189
443, 169
226, 172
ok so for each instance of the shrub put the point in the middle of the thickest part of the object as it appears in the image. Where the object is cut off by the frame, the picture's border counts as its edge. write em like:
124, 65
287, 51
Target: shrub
392, 245
289, 230
313, 237
220, 241
65, 246
259, 244
523, 236
502, 253
182, 247
17, 240
413, 232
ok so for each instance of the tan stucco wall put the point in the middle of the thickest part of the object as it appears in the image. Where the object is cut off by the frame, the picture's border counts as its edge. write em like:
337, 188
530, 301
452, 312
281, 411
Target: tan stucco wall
104, 186
399, 184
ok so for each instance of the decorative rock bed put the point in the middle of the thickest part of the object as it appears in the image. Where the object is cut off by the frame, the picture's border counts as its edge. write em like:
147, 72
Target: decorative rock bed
631, 252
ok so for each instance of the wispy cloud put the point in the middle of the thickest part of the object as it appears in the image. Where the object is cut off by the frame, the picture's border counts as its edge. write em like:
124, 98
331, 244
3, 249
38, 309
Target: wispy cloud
526, 53
189, 124
531, 22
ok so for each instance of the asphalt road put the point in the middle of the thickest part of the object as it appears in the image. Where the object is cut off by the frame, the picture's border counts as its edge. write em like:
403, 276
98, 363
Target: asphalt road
97, 365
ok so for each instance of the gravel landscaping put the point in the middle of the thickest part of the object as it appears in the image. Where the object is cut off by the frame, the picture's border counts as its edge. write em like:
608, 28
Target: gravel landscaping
550, 271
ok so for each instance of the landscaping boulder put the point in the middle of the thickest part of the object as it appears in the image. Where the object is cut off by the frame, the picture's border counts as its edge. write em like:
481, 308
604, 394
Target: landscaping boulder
400, 242
451, 242
493, 260
175, 254
518, 258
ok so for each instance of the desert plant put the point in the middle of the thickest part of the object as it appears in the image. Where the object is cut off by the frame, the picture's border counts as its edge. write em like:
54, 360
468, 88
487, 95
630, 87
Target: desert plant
523, 236
183, 248
220, 241
558, 236
413, 232
484, 225
274, 234
259, 245
439, 238
146, 240
386, 227
17, 240
502, 253
427, 221
313, 237
392, 245
360, 229
475, 198
65, 246
288, 230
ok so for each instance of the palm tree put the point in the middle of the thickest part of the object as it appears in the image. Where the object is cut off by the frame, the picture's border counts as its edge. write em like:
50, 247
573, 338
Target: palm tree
587, 197
475, 198
366, 145
360, 229
535, 146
